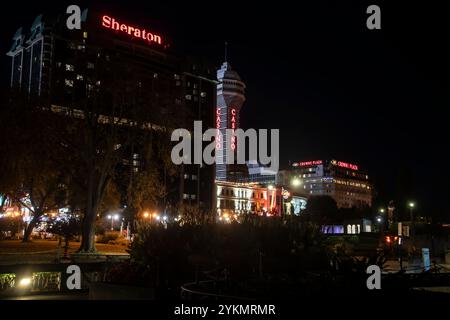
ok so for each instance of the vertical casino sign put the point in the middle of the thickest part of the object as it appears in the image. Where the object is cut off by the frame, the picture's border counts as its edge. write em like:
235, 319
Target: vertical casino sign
218, 136
233, 127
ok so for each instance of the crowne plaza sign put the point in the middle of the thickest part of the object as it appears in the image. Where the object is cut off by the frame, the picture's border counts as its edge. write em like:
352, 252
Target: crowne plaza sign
132, 31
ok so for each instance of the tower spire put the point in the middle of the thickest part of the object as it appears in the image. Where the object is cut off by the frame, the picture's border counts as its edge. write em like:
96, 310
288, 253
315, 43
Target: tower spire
226, 51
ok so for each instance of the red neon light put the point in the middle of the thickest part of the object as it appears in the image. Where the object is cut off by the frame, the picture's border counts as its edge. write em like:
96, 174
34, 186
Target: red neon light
218, 128
111, 23
307, 163
347, 165
233, 126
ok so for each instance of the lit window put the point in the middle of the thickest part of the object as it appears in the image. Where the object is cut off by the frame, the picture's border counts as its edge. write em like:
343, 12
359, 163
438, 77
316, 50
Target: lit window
186, 176
68, 82
193, 196
185, 196
203, 94
70, 67
79, 77
194, 177
176, 76
85, 34
155, 75
188, 97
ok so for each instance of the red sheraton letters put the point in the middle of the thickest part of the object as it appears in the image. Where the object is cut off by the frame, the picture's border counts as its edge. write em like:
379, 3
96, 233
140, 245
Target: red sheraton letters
135, 32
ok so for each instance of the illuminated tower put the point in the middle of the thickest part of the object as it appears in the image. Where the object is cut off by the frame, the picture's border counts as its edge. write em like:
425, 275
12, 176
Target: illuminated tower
230, 97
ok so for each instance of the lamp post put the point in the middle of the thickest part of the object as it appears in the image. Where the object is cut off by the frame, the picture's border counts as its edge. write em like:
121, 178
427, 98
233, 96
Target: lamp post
112, 218
382, 221
411, 206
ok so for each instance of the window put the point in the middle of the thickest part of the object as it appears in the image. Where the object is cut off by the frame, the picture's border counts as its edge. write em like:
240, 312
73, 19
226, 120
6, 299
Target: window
68, 83
79, 77
185, 196
193, 196
186, 176
203, 94
188, 97
194, 177
90, 65
70, 67
176, 76
85, 35
349, 229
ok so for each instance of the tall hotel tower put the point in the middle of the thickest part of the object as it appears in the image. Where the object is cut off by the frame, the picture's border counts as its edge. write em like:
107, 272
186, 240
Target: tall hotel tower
230, 97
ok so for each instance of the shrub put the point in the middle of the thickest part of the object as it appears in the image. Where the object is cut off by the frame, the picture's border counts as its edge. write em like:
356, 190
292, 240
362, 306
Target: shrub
108, 237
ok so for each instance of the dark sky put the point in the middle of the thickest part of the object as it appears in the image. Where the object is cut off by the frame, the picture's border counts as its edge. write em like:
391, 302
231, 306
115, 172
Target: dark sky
335, 89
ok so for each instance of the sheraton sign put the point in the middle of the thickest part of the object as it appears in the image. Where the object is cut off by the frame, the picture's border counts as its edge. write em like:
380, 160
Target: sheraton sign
134, 32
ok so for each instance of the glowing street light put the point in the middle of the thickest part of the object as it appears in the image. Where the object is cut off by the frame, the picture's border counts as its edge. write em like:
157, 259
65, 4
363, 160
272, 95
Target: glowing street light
24, 282
296, 182
112, 218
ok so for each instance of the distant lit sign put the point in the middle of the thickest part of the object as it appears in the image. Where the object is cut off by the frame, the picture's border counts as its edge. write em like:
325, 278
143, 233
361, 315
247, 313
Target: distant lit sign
307, 163
134, 32
286, 194
345, 165
233, 127
218, 135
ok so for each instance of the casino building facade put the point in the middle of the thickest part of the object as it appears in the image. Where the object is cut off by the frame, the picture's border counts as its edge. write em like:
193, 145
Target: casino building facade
134, 63
346, 183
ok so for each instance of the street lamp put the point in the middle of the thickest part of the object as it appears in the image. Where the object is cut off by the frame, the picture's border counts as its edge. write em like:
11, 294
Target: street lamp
113, 217
411, 216
296, 182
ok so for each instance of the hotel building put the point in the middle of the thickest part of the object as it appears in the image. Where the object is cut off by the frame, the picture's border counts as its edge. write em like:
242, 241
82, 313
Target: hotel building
346, 183
130, 61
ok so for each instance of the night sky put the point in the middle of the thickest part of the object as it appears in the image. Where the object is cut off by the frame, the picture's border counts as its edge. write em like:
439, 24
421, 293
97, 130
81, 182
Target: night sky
376, 98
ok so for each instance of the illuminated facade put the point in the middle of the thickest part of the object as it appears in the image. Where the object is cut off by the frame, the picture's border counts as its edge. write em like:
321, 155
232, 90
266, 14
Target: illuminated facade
344, 182
130, 62
235, 199
230, 98
247, 198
